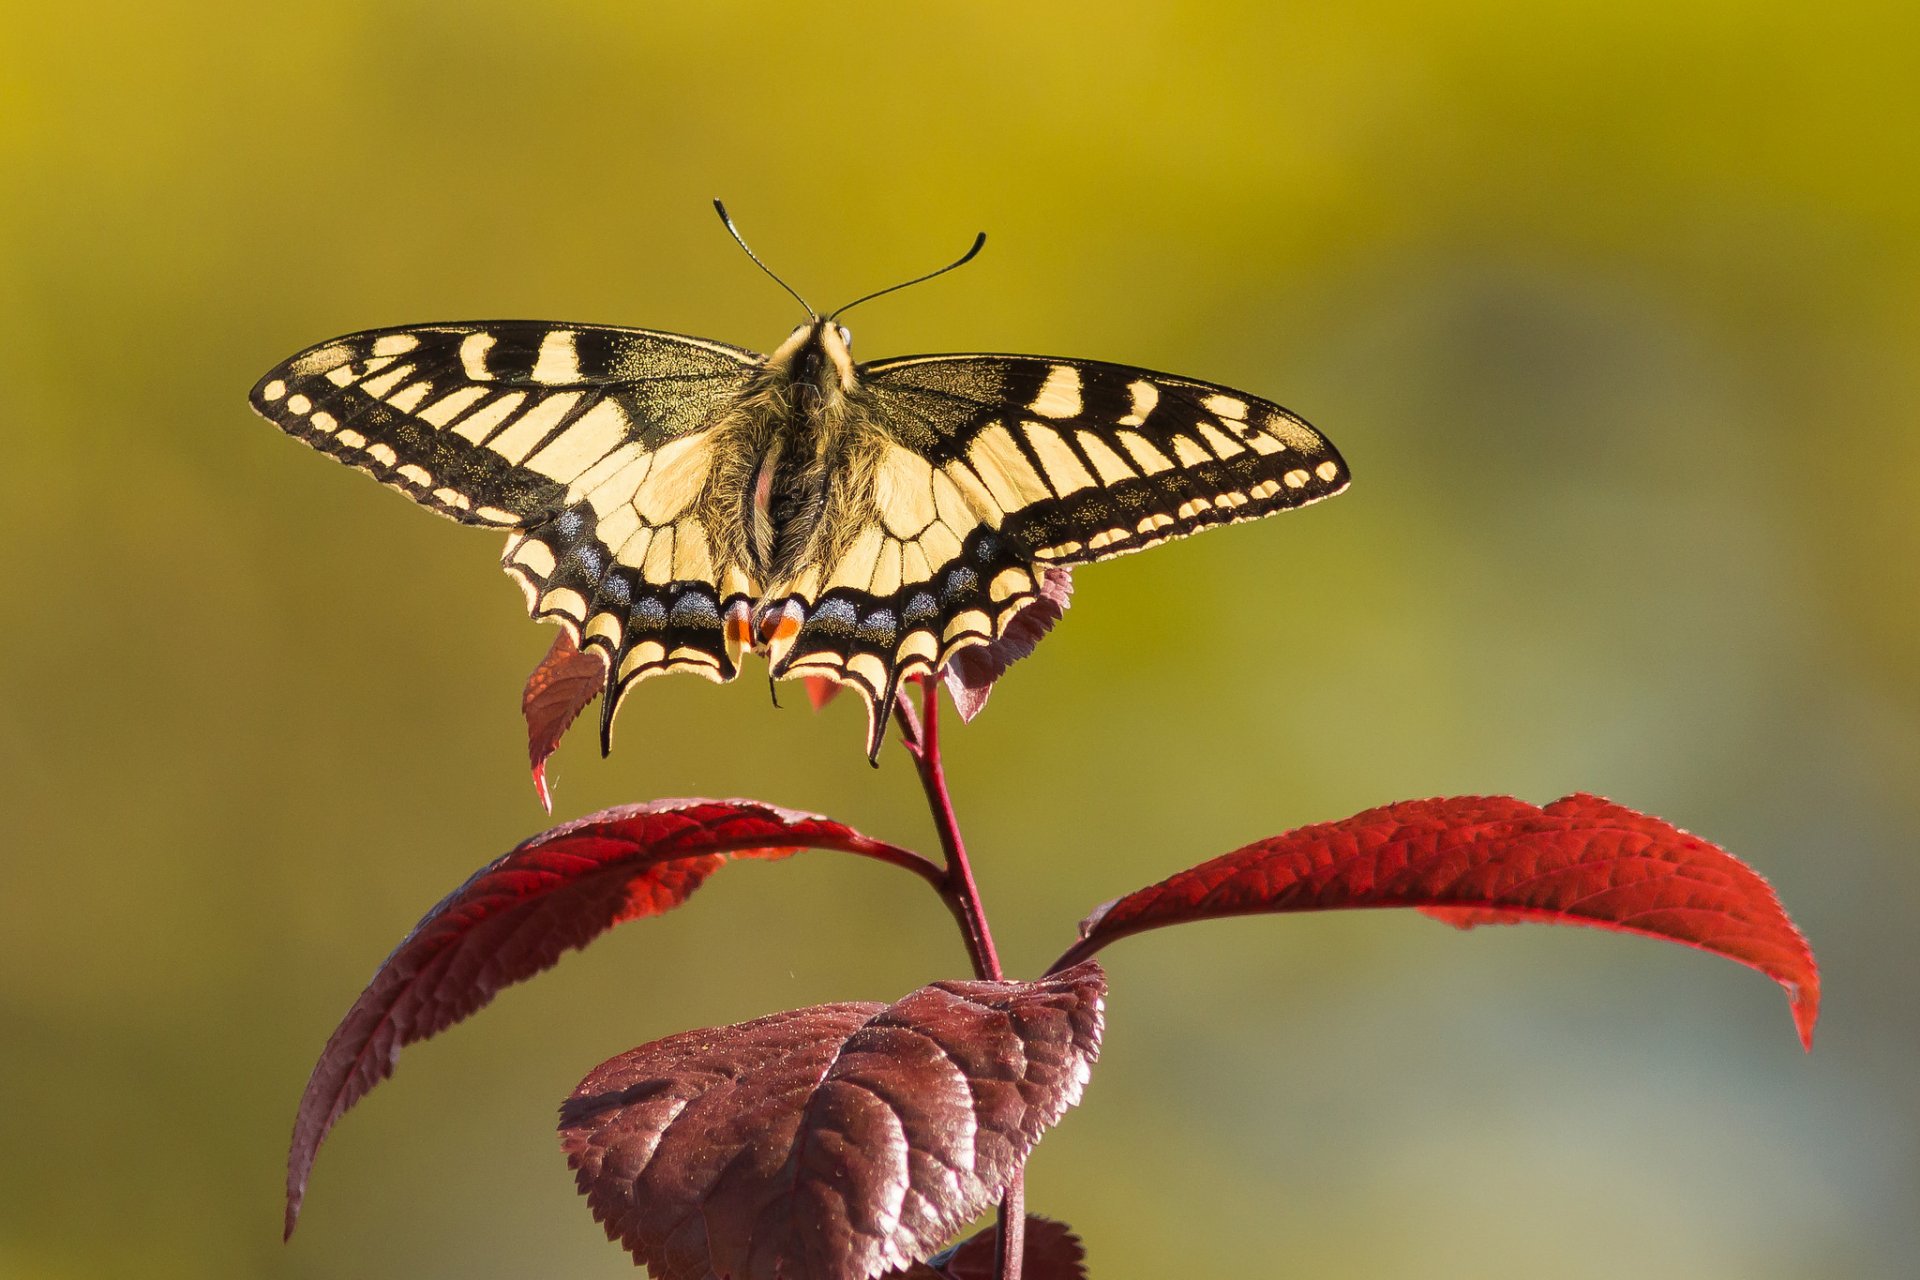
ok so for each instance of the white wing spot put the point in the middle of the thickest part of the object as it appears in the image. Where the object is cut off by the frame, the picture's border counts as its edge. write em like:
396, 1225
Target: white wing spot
589, 439
273, 390
451, 406
1222, 444
298, 404
903, 490
473, 356
1149, 459
351, 440
1010, 582
871, 669
387, 381
1229, 407
413, 473
1295, 479
1327, 471
382, 454
1145, 396
1064, 471
411, 396
322, 421
557, 362
518, 440
648, 653
535, 555
1060, 395
395, 344
1110, 465
1004, 470
1189, 451
563, 600
477, 426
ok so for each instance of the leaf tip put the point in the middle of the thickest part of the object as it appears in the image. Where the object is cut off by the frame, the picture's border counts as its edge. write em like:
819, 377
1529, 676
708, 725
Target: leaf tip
1804, 1000
821, 691
540, 787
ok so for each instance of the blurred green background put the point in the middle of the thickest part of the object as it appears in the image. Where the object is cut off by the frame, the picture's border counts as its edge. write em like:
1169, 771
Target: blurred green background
1612, 308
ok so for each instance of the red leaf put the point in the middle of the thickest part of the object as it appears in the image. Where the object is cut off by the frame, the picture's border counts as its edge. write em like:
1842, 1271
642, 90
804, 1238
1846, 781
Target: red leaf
829, 1143
1052, 1252
1480, 860
560, 688
972, 671
519, 914
821, 691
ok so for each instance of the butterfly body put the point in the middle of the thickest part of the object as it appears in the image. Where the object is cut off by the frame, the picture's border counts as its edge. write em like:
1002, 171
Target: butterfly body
675, 502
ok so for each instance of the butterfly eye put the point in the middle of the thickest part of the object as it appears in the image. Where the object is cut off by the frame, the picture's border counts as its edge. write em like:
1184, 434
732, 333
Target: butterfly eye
846, 339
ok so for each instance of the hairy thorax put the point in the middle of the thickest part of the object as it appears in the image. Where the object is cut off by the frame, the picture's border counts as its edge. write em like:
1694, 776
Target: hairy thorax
795, 461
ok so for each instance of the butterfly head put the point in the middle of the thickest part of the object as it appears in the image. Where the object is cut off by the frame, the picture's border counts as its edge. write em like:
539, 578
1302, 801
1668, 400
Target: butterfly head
818, 354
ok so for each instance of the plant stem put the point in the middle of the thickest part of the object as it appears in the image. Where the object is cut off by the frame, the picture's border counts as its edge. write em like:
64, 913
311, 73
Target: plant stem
1010, 1240
962, 896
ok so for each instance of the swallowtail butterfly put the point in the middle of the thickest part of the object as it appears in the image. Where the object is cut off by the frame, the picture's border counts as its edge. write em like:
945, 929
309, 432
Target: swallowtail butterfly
674, 502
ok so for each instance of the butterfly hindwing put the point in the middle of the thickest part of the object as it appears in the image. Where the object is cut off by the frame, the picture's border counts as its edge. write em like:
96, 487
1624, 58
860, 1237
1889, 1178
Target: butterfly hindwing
925, 577
587, 443
1081, 460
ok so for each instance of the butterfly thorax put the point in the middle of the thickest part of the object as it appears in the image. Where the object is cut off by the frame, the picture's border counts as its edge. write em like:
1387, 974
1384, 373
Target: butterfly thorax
792, 483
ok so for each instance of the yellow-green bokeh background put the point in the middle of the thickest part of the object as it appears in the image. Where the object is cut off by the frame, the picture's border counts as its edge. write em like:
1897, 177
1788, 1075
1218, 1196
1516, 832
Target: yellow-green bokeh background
1611, 306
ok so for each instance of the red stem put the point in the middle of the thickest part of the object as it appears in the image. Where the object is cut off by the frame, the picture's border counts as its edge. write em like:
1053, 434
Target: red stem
957, 887
962, 896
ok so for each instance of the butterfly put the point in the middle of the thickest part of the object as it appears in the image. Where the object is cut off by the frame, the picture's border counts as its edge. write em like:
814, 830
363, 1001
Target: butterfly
675, 502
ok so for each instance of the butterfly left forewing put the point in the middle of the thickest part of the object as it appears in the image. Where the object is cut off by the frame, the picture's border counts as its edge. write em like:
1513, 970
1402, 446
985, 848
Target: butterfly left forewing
589, 444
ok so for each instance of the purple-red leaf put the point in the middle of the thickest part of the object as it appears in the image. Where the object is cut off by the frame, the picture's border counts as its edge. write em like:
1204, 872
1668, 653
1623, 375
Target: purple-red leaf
821, 691
830, 1143
559, 689
1052, 1252
519, 914
1479, 860
972, 671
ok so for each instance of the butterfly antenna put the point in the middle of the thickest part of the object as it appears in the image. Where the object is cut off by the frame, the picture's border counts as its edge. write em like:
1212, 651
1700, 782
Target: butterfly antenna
964, 259
740, 240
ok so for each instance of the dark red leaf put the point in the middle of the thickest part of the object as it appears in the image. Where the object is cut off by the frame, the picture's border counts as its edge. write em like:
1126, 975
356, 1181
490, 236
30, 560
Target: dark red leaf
971, 672
560, 688
1052, 1252
830, 1143
821, 691
521, 913
1479, 860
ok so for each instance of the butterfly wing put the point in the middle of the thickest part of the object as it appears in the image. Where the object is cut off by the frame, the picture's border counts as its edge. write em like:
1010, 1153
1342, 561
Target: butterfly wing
1080, 460
999, 466
587, 444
